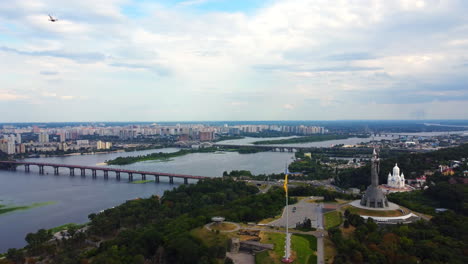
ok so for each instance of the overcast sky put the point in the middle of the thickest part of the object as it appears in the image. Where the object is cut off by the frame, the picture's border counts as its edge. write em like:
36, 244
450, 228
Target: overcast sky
169, 60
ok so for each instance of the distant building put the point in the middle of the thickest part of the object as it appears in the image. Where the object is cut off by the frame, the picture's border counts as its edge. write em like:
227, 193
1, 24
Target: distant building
108, 145
418, 182
82, 142
7, 146
206, 136
63, 146
103, 145
184, 137
43, 138
20, 148
396, 180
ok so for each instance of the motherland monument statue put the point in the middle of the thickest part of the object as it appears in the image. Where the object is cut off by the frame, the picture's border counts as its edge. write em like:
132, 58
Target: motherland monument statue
374, 196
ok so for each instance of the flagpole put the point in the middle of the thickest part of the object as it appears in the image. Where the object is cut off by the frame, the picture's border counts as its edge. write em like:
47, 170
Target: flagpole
287, 246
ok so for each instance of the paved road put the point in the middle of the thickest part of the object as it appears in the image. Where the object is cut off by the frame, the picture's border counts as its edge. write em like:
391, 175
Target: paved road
320, 228
303, 210
320, 251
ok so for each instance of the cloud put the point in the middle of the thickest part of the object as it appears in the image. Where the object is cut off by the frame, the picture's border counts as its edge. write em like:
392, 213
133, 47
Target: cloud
48, 72
238, 103
304, 69
353, 59
83, 57
289, 106
154, 68
6, 95
351, 56
193, 2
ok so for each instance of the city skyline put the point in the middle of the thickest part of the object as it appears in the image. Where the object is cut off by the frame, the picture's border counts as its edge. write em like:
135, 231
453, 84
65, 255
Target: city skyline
216, 60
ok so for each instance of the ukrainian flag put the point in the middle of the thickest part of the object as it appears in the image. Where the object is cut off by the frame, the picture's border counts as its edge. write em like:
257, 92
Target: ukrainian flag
285, 185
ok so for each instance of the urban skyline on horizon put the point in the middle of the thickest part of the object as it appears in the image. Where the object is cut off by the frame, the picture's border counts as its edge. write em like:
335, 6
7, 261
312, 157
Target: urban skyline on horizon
248, 60
235, 121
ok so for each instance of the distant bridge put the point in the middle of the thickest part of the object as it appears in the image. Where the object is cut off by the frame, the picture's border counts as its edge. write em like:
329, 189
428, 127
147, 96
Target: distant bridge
105, 170
265, 147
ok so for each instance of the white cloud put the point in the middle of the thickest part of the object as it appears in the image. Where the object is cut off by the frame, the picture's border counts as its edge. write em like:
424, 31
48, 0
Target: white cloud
11, 96
289, 106
175, 58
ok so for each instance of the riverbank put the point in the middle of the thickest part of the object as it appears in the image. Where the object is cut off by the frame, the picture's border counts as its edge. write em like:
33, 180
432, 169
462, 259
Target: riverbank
307, 139
7, 209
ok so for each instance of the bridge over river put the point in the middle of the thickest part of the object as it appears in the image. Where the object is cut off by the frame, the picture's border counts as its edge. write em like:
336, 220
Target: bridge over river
278, 148
12, 165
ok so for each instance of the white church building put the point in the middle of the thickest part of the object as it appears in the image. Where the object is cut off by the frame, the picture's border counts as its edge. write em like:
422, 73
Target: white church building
396, 180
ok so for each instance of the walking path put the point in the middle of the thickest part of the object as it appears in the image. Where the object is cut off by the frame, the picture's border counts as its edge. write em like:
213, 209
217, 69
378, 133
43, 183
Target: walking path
208, 226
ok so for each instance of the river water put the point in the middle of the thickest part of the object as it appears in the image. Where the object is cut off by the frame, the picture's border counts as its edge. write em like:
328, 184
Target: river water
319, 144
74, 198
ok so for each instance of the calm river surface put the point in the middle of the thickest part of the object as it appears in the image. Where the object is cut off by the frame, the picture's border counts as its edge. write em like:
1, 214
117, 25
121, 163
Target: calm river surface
74, 198
327, 143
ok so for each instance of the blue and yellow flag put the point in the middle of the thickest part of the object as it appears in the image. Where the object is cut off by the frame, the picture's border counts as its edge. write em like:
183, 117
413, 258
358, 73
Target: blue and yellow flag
285, 185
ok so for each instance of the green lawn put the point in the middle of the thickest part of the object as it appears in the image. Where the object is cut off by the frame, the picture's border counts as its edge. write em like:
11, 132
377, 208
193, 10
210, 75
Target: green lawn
303, 247
332, 219
65, 227
360, 211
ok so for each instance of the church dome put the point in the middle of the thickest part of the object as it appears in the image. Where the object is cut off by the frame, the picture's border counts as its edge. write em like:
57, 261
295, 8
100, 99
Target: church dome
396, 170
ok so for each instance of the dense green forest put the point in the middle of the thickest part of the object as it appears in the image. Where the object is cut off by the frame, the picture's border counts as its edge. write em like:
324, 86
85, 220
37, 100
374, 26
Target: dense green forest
313, 168
440, 195
411, 164
157, 228
443, 239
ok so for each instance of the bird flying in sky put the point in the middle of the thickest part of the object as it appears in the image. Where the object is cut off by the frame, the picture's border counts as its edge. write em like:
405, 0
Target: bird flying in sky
52, 19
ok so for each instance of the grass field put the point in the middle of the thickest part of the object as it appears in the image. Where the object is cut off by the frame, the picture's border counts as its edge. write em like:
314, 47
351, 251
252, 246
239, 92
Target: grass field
268, 220
332, 219
223, 227
360, 211
330, 250
210, 238
303, 249
65, 227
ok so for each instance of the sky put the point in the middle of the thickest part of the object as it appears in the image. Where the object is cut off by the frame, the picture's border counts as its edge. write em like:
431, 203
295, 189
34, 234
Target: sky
191, 60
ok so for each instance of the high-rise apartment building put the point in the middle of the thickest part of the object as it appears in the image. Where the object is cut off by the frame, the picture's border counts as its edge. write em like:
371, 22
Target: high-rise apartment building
7, 146
43, 138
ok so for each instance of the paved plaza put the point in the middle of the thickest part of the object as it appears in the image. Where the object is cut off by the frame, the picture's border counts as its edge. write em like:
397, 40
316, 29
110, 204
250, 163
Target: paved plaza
303, 210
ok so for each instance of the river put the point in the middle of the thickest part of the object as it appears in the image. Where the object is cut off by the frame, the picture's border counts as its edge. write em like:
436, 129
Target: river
318, 144
74, 198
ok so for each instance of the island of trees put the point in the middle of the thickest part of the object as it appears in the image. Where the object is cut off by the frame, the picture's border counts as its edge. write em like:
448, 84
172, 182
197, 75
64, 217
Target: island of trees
182, 152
